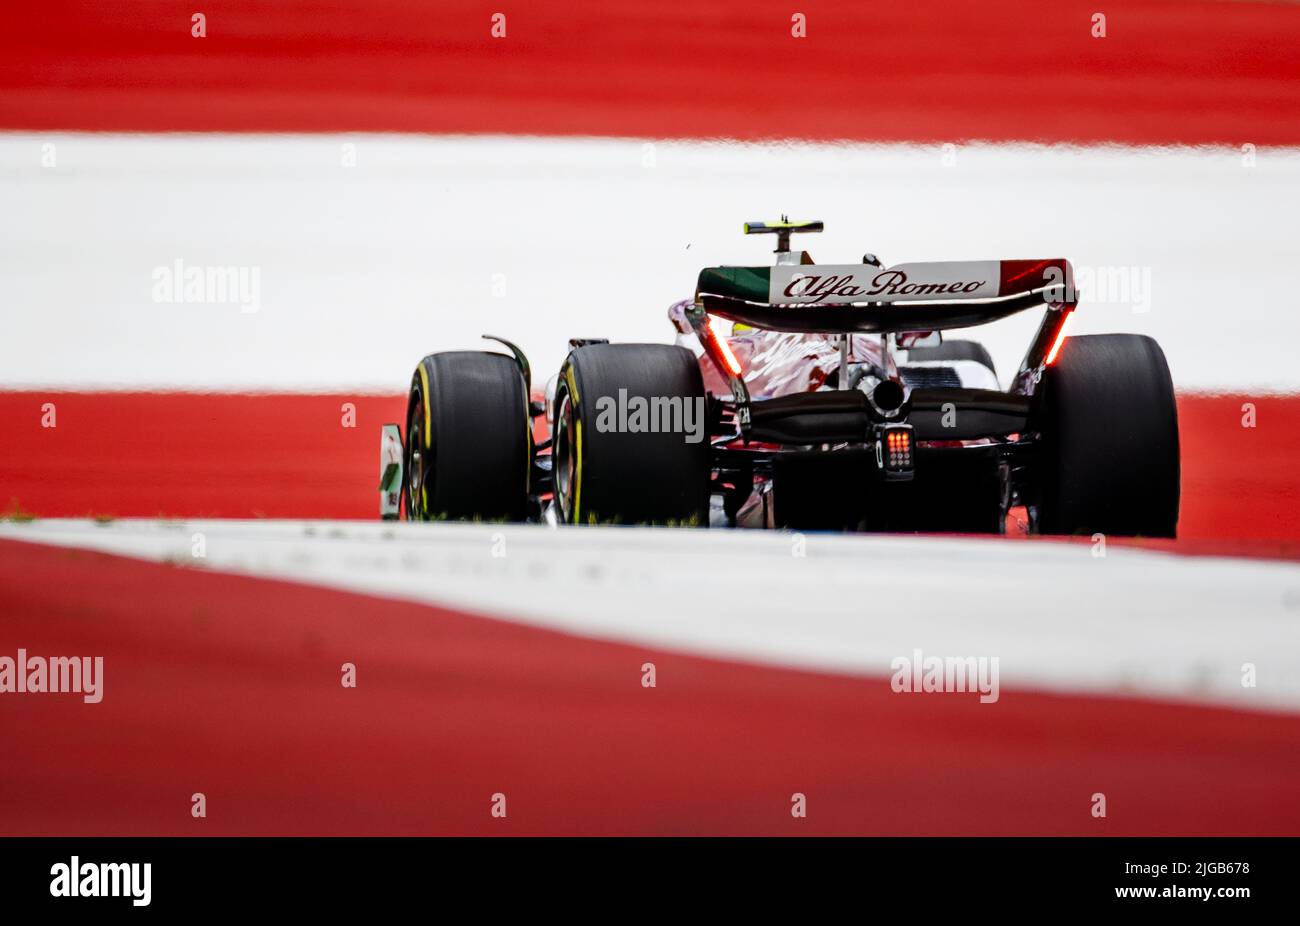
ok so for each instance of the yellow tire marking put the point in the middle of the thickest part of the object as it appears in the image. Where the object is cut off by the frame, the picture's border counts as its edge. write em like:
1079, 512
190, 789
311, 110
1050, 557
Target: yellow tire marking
428, 415
577, 474
577, 427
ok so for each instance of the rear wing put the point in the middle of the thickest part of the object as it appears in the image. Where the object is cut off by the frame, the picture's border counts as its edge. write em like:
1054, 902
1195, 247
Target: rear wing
842, 298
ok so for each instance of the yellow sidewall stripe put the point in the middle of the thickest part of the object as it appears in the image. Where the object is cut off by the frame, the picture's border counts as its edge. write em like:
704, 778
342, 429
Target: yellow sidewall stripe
428, 415
577, 427
428, 428
577, 474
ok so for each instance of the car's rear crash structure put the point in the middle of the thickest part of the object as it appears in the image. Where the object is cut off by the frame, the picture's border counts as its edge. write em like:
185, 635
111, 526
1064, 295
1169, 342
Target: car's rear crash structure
813, 397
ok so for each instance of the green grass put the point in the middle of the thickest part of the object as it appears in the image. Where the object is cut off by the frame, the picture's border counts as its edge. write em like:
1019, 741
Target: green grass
16, 514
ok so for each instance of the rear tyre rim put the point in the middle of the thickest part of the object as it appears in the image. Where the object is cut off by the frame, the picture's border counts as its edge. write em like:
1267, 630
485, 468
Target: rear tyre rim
565, 462
415, 462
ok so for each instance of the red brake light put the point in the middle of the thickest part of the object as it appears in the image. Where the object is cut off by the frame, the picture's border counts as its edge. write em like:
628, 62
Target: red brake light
1060, 339
724, 349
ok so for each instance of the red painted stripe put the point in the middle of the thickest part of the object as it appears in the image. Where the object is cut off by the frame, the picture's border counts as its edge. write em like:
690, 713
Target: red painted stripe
1239, 482
230, 686
928, 70
193, 455
290, 456
1018, 276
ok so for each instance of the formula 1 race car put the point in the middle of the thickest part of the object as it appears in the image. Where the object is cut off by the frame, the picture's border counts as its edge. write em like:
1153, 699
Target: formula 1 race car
808, 396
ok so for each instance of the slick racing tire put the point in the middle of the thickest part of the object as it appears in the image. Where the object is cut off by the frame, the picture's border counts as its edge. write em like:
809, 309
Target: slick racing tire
955, 350
1109, 428
631, 442
468, 439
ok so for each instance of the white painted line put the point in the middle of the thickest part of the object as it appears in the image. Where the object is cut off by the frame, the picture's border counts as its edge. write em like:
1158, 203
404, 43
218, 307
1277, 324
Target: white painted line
429, 242
1057, 618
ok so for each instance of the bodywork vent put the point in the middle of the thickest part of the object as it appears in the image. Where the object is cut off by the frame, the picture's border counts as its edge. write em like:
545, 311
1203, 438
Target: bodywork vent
930, 377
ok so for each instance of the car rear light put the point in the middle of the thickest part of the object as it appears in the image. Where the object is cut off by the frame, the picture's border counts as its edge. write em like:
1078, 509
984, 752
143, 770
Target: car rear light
895, 451
1059, 340
723, 348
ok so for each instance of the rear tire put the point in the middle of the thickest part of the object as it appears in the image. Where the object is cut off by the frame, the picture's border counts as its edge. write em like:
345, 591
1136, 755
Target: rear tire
468, 439
954, 350
607, 474
1109, 426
